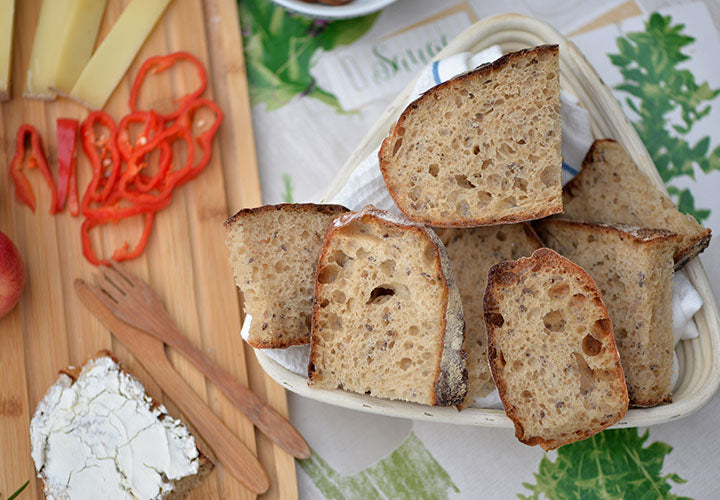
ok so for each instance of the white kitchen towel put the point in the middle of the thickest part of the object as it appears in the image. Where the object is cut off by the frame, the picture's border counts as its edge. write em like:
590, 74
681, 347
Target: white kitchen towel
365, 186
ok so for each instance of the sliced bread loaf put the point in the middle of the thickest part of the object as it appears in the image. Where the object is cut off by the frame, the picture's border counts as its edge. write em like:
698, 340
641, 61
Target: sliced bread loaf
611, 189
97, 434
551, 350
472, 252
482, 148
387, 318
273, 252
633, 269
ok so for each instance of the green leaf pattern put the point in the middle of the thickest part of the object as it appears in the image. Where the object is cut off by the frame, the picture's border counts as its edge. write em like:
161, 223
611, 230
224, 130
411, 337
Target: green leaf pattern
648, 61
614, 464
280, 48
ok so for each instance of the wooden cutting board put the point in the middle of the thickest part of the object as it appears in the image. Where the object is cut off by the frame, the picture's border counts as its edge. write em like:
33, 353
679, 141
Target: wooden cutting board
185, 260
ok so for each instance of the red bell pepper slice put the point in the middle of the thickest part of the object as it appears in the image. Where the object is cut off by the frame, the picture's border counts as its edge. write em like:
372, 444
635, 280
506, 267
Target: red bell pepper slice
159, 64
67, 130
23, 189
103, 153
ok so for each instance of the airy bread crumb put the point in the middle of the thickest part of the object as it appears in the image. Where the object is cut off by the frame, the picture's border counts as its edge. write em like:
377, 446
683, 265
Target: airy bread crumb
387, 317
633, 269
482, 148
552, 351
273, 253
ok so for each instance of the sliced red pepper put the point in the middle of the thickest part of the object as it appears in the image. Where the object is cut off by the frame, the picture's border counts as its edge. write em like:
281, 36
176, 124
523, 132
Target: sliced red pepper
153, 125
159, 64
122, 253
67, 130
23, 189
205, 138
171, 178
103, 153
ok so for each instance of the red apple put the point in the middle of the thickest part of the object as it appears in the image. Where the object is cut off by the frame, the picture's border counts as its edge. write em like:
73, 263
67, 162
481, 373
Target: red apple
12, 275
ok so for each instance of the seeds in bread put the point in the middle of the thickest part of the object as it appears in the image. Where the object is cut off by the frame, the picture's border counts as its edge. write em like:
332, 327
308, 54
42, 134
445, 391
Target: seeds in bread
482, 148
273, 252
472, 252
387, 318
611, 189
97, 434
551, 350
633, 269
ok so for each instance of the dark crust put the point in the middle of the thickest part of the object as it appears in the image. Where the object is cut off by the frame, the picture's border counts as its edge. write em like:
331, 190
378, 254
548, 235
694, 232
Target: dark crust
642, 236
443, 394
532, 236
497, 280
692, 247
277, 345
286, 207
293, 207
659, 237
204, 463
482, 70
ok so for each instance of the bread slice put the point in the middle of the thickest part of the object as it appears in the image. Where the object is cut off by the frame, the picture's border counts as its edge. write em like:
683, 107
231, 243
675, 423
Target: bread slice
482, 148
472, 252
552, 351
611, 189
633, 269
273, 253
387, 318
96, 434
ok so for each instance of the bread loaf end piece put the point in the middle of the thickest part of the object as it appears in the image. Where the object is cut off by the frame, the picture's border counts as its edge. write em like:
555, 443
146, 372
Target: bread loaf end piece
482, 148
387, 317
611, 189
273, 253
472, 252
551, 350
633, 269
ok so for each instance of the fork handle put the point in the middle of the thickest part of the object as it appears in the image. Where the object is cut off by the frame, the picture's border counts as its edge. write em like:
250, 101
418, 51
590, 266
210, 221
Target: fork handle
230, 451
265, 418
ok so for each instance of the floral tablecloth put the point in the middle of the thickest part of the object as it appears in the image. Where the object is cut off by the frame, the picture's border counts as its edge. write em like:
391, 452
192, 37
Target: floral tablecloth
318, 86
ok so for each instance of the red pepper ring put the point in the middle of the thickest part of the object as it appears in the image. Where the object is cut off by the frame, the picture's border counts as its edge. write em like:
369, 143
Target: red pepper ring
171, 178
121, 253
90, 145
23, 189
158, 64
204, 139
153, 124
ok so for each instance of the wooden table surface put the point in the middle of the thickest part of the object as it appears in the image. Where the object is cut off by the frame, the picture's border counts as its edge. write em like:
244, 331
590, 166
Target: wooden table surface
185, 260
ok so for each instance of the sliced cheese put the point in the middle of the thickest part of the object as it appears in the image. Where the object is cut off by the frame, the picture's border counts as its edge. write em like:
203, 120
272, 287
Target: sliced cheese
44, 55
116, 52
77, 42
7, 13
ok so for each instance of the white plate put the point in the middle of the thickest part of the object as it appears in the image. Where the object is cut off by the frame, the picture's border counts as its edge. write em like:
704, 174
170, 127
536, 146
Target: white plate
699, 359
356, 8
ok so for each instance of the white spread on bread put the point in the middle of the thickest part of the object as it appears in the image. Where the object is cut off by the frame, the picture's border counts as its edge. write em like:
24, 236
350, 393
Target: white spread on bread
101, 436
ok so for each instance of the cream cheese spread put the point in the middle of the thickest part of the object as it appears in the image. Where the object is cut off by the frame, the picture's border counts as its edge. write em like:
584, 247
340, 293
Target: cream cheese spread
103, 437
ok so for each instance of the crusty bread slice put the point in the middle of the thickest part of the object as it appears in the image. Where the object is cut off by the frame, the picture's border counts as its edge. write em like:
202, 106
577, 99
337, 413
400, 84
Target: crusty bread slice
179, 487
633, 269
482, 148
611, 189
273, 252
552, 351
387, 318
472, 252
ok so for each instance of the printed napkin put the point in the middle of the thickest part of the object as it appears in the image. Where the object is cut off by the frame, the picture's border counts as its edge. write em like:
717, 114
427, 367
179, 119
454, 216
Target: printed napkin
366, 187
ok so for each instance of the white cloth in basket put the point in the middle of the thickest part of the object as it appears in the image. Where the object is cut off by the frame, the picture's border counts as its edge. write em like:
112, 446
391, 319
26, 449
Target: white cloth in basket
365, 186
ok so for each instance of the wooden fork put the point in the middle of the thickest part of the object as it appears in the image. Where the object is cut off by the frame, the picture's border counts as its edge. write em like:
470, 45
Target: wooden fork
224, 446
133, 301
